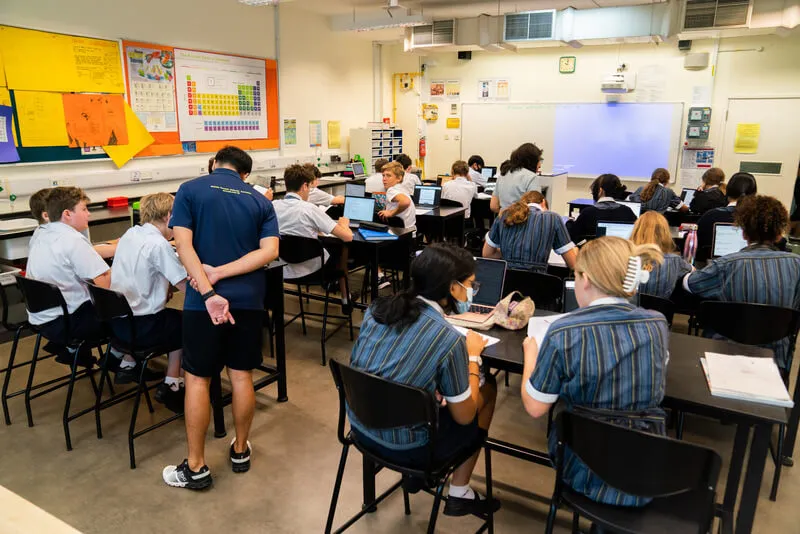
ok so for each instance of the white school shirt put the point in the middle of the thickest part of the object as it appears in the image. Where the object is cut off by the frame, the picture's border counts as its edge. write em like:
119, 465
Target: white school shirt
410, 181
409, 216
478, 178
144, 266
461, 190
62, 256
374, 184
303, 219
318, 197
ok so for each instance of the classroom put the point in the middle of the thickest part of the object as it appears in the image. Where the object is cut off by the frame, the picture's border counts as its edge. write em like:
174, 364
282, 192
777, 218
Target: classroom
399, 266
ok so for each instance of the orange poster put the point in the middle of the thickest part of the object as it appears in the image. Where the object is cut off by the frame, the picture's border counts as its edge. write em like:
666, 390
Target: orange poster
95, 120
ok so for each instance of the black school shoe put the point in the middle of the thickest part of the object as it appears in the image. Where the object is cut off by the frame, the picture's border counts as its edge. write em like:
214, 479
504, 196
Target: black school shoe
85, 358
240, 461
129, 375
459, 506
180, 476
173, 400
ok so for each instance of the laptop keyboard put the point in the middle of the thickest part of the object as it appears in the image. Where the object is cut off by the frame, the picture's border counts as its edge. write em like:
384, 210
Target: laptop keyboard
479, 308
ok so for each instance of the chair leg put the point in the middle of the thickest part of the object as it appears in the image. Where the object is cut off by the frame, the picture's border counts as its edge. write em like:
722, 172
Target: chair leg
132, 428
551, 516
506, 378
679, 425
575, 523
99, 397
437, 501
336, 487
325, 325
487, 454
29, 385
776, 479
7, 378
350, 300
302, 311
70, 389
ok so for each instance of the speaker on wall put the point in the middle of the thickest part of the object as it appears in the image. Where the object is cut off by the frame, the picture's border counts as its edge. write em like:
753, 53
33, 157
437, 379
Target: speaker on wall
685, 45
466, 55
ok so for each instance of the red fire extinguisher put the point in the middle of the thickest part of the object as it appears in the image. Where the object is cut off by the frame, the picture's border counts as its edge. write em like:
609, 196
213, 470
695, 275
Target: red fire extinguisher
423, 150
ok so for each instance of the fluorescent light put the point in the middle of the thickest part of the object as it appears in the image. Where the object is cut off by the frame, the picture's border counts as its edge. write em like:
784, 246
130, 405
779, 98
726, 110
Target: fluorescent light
259, 2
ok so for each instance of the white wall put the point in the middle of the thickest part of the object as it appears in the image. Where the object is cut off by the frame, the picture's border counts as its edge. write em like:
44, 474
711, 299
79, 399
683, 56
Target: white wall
535, 78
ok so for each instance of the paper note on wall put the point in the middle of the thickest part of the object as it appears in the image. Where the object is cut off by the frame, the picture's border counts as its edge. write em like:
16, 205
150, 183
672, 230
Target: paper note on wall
314, 133
95, 120
5, 100
334, 134
138, 139
747, 135
43, 61
290, 132
41, 119
8, 153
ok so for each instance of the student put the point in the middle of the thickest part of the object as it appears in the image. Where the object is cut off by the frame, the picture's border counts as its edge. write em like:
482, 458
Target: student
652, 229
605, 189
526, 233
144, 268
741, 184
461, 188
398, 202
758, 274
225, 233
406, 339
657, 196
711, 194
299, 217
374, 184
410, 180
607, 356
476, 165
795, 218
520, 177
318, 197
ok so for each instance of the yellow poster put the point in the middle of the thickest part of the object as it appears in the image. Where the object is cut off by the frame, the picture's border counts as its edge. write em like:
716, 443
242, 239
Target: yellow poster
42, 61
5, 100
138, 139
334, 134
2, 71
453, 122
747, 135
41, 118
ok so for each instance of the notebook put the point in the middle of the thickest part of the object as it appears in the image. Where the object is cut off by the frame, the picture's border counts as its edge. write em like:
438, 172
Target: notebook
372, 235
687, 194
727, 240
358, 209
538, 326
636, 207
358, 169
745, 378
355, 190
427, 196
490, 274
616, 229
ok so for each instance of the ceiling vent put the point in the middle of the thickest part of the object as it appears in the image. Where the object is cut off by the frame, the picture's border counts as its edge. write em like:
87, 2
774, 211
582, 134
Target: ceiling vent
530, 26
440, 33
708, 14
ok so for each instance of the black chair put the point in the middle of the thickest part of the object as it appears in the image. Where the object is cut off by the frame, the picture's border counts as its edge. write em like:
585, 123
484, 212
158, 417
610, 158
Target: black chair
754, 324
110, 305
296, 249
545, 289
450, 203
40, 296
381, 404
659, 304
680, 477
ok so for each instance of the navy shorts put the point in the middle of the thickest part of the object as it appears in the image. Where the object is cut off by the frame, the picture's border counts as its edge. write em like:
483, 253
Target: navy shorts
83, 325
208, 348
162, 329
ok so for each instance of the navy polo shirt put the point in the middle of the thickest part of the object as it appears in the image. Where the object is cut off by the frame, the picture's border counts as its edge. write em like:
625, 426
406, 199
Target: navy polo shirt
228, 219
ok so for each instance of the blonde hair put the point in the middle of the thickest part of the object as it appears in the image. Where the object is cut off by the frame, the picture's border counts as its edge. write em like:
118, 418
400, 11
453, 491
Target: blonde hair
395, 168
604, 261
518, 212
460, 168
155, 207
652, 228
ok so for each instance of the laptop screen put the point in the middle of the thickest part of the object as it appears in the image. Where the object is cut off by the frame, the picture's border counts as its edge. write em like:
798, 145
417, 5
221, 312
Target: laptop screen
492, 276
571, 301
358, 169
427, 195
687, 195
355, 190
623, 230
727, 240
489, 172
636, 207
359, 209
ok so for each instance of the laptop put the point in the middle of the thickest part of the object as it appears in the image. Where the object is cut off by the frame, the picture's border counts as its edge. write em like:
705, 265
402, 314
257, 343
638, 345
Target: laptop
491, 275
636, 207
358, 169
489, 172
727, 240
616, 229
358, 209
355, 190
427, 196
687, 194
571, 301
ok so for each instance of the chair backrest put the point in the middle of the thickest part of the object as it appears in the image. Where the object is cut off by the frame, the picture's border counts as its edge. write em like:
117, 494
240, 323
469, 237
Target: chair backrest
659, 304
109, 304
40, 296
638, 463
394, 222
450, 203
296, 249
379, 403
545, 289
751, 324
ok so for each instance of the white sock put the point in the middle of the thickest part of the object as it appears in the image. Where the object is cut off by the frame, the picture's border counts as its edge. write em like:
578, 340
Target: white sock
117, 354
463, 492
173, 383
125, 364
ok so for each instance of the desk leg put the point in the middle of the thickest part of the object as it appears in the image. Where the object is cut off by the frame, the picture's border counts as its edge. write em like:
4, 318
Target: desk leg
275, 283
752, 479
734, 476
216, 405
791, 429
368, 477
373, 275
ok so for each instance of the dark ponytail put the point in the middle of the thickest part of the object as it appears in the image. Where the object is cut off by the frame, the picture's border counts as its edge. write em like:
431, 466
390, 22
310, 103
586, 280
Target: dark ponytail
432, 273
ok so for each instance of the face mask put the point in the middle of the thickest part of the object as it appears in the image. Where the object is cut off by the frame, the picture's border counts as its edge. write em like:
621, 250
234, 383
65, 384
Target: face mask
462, 306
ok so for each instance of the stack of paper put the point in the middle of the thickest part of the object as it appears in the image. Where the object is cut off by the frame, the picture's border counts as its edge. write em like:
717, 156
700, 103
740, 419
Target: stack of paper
745, 378
538, 326
16, 225
489, 339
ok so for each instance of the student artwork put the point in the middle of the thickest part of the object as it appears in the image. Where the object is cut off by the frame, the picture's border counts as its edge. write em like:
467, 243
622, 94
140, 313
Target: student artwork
290, 132
437, 89
152, 87
430, 112
315, 134
95, 120
453, 89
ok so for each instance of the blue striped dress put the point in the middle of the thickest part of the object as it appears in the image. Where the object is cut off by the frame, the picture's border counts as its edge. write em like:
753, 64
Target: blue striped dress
527, 246
665, 277
757, 274
610, 355
663, 199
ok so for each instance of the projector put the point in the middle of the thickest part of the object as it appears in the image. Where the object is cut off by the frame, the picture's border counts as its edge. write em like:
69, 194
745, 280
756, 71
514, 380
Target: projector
619, 82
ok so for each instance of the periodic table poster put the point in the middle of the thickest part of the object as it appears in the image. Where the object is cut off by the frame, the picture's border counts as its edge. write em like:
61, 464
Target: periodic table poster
220, 97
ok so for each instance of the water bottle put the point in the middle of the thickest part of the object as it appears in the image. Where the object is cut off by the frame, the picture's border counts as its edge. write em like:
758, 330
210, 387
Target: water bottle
690, 245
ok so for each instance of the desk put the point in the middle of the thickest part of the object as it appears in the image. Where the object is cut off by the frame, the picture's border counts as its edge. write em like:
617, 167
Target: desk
274, 373
686, 390
435, 222
578, 204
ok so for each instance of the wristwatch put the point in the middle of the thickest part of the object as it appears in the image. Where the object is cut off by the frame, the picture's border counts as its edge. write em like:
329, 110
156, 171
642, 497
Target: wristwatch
206, 296
476, 359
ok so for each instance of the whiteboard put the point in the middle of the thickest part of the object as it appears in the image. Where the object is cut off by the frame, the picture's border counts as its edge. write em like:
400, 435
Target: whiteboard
583, 139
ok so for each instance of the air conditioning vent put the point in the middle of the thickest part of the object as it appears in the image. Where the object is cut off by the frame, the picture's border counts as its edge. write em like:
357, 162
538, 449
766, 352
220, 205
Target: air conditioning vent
704, 14
530, 26
439, 33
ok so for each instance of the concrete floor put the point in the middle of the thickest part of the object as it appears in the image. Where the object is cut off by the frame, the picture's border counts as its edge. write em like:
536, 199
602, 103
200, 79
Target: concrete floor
296, 453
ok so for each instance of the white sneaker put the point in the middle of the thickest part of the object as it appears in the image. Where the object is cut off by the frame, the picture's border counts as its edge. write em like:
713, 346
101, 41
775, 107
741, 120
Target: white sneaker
180, 476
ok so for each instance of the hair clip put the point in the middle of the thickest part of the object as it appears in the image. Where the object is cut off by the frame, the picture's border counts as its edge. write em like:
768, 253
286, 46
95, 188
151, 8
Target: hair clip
635, 275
